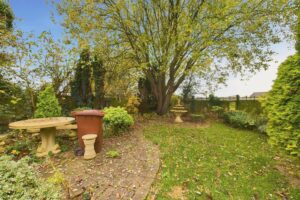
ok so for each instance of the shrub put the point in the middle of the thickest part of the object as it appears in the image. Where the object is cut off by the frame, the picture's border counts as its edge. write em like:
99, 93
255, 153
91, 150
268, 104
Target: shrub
282, 106
81, 109
261, 123
112, 154
133, 104
19, 180
117, 119
217, 110
47, 105
197, 117
239, 119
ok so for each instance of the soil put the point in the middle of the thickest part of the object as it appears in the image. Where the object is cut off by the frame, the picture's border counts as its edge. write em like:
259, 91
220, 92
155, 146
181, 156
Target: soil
128, 176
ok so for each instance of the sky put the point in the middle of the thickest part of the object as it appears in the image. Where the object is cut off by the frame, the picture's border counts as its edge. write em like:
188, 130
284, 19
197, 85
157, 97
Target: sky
34, 16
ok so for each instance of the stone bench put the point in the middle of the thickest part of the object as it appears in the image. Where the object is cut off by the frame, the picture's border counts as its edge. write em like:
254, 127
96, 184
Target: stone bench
72, 127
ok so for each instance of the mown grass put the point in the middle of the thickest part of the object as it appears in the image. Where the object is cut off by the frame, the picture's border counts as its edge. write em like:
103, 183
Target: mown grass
217, 162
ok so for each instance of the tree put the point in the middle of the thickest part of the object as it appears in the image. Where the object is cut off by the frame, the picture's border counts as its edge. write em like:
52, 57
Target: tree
47, 105
98, 82
298, 34
189, 88
81, 90
169, 40
6, 27
282, 104
55, 62
87, 88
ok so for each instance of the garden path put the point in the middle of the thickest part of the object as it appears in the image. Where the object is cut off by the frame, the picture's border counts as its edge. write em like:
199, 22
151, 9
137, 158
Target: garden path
128, 176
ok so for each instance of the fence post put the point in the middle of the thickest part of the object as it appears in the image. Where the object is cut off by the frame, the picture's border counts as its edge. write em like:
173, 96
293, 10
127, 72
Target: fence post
237, 102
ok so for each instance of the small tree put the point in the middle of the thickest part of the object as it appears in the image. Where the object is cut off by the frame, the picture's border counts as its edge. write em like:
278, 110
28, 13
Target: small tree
47, 105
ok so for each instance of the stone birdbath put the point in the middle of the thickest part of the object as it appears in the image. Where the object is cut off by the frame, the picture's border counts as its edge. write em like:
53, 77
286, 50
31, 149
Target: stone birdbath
47, 128
178, 110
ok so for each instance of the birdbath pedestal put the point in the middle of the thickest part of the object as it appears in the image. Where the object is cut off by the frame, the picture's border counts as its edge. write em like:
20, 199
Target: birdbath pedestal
47, 128
178, 110
178, 114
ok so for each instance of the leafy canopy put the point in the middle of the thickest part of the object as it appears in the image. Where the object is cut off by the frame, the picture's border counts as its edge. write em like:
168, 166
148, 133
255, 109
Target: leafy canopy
169, 40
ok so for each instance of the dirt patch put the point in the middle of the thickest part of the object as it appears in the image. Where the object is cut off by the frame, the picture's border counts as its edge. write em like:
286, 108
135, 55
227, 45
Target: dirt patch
128, 176
177, 192
293, 179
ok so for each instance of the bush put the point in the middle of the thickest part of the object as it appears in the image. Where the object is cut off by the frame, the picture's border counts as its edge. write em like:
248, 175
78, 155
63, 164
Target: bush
217, 110
47, 105
117, 120
19, 180
261, 123
197, 117
133, 104
239, 119
282, 106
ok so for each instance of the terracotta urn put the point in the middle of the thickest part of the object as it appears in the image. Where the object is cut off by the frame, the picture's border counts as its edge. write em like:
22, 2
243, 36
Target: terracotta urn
89, 150
89, 122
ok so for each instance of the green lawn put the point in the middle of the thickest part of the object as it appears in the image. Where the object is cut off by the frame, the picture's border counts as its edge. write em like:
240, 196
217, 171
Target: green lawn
216, 162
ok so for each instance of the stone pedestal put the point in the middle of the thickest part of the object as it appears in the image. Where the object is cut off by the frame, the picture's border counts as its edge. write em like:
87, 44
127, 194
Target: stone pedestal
178, 118
48, 142
89, 142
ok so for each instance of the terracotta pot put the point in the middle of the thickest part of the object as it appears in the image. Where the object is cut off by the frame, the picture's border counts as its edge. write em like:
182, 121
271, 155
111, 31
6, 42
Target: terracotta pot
89, 122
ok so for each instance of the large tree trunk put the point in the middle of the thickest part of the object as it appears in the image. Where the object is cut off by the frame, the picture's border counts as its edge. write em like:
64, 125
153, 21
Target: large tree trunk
163, 103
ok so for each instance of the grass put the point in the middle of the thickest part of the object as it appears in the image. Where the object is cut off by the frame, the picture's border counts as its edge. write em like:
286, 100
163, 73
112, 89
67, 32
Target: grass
216, 162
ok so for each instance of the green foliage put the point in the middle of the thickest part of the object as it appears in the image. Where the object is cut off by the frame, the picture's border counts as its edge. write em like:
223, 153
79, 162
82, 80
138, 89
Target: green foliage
82, 108
217, 110
282, 106
251, 106
157, 36
189, 88
213, 100
87, 87
239, 119
14, 104
117, 119
298, 34
6, 16
197, 117
81, 90
242, 119
19, 180
47, 105
98, 82
133, 104
112, 154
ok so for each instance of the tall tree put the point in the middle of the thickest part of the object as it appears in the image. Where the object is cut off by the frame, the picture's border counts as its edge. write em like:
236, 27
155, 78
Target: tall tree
98, 82
81, 90
169, 40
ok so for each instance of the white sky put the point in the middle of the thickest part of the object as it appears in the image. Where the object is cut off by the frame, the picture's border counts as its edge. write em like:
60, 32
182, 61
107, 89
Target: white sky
260, 82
